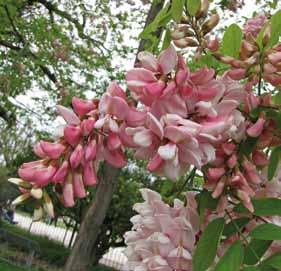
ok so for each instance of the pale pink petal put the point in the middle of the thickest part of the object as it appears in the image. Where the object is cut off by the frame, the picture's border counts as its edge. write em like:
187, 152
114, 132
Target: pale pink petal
137, 78
69, 116
148, 61
168, 60
168, 151
143, 138
118, 107
154, 125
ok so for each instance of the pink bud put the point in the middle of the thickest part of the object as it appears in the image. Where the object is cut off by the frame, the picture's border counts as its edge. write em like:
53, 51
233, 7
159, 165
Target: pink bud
89, 174
259, 158
82, 107
253, 177
43, 176
113, 141
275, 58
38, 150
87, 126
27, 170
76, 156
213, 45
248, 166
232, 161
52, 150
155, 163
78, 186
90, 150
215, 173
228, 148
237, 74
61, 173
256, 129
72, 135
115, 90
68, 194
219, 188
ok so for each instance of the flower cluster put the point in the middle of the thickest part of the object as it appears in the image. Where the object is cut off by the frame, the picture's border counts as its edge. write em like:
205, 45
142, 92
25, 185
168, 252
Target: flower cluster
188, 114
163, 237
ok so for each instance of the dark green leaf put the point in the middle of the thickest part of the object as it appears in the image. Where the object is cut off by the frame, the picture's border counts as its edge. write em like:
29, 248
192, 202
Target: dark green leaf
193, 6
273, 261
266, 232
231, 41
276, 28
163, 15
232, 258
206, 201
251, 268
207, 245
263, 207
167, 40
233, 226
273, 162
177, 9
255, 250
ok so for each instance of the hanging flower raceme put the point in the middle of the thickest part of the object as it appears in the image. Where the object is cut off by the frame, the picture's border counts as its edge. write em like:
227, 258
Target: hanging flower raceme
91, 135
162, 237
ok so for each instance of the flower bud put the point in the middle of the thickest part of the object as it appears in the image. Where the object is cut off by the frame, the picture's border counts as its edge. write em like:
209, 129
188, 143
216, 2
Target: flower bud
82, 107
76, 156
266, 35
186, 42
210, 24
203, 9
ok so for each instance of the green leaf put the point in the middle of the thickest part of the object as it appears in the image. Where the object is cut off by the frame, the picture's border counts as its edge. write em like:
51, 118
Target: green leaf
177, 9
233, 226
251, 268
273, 261
255, 250
262, 207
207, 245
193, 6
167, 40
231, 41
205, 201
232, 258
276, 28
163, 16
267, 231
273, 162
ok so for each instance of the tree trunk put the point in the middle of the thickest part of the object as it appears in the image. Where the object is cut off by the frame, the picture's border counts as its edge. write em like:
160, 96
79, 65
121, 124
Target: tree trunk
81, 255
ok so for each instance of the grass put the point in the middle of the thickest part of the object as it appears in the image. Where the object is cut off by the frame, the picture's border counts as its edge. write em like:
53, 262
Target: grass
8, 267
50, 251
52, 255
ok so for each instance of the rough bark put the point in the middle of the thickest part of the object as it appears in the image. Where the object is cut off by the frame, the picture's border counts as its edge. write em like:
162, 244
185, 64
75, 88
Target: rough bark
81, 257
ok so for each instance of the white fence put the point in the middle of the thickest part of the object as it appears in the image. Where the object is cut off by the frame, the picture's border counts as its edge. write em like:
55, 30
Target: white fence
113, 258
